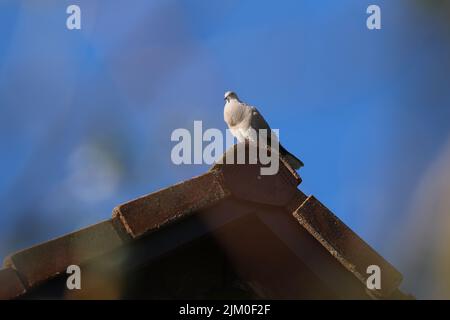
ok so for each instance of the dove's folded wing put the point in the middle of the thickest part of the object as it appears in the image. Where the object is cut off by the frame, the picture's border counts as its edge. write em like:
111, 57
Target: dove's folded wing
258, 122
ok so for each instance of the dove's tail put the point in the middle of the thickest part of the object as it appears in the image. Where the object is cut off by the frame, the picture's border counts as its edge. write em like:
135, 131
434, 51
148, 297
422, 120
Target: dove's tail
293, 161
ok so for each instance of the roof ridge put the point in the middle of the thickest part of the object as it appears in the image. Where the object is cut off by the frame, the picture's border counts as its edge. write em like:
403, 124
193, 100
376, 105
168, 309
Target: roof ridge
28, 268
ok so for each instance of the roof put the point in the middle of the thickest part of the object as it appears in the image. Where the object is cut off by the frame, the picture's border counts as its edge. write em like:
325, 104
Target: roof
283, 243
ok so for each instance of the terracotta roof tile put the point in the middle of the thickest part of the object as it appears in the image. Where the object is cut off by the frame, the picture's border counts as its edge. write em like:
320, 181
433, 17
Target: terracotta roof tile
11, 285
48, 259
349, 249
152, 211
246, 182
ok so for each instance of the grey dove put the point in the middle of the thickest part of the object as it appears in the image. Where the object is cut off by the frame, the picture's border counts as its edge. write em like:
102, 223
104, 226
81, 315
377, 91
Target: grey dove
240, 117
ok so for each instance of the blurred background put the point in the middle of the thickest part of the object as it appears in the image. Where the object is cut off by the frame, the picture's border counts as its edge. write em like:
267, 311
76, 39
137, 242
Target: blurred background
86, 115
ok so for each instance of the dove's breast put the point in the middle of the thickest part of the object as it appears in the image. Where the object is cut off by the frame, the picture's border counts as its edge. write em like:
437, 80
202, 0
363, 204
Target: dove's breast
238, 133
238, 117
235, 114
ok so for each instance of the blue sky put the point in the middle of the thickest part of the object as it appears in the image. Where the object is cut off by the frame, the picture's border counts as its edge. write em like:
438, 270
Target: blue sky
86, 115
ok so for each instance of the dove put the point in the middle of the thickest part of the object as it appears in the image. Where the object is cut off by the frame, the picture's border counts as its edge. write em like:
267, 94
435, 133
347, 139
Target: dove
241, 117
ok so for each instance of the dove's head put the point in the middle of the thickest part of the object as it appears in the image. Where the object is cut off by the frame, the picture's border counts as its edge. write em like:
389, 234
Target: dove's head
230, 95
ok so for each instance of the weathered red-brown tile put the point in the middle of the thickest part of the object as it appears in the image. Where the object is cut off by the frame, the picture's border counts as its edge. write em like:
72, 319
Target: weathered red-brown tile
152, 211
43, 261
354, 254
246, 181
296, 201
10, 284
